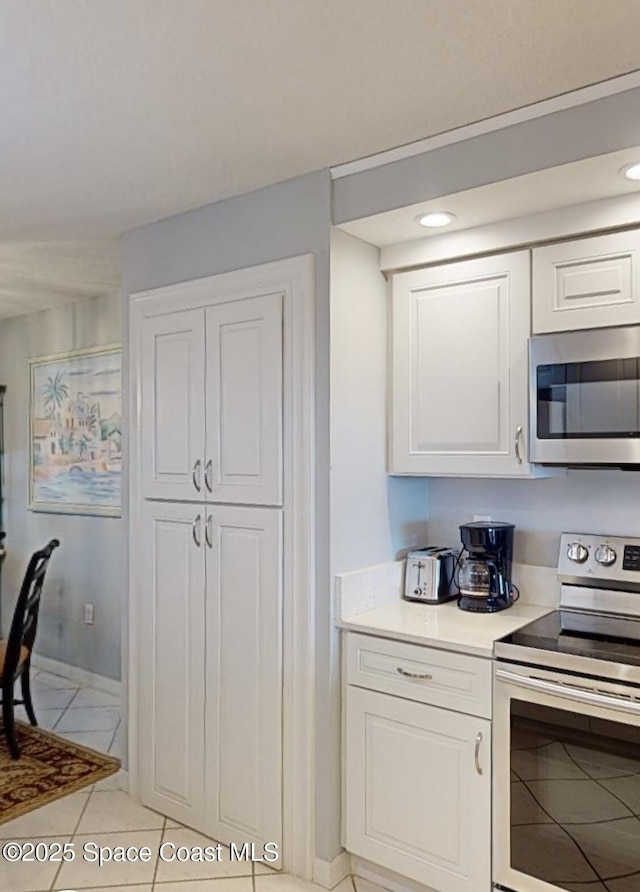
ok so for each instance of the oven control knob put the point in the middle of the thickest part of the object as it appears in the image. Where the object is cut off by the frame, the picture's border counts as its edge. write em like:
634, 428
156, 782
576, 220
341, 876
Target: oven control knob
577, 553
605, 555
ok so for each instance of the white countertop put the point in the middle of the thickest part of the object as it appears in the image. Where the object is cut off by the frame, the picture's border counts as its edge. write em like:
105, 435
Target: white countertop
444, 626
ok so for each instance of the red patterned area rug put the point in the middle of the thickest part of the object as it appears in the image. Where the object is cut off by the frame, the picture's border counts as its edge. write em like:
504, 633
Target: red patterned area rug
48, 768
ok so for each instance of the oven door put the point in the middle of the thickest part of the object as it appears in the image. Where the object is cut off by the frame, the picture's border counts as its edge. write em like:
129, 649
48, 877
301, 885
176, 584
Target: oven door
566, 794
585, 397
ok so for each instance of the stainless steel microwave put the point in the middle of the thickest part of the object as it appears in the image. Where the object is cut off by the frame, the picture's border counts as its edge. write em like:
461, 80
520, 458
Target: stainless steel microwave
584, 397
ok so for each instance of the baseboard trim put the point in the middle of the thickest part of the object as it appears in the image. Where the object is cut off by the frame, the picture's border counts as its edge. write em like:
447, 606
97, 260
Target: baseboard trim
385, 880
330, 873
81, 676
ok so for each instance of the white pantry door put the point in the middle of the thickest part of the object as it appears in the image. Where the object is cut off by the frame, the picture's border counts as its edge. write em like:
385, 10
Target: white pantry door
244, 401
244, 674
172, 647
172, 431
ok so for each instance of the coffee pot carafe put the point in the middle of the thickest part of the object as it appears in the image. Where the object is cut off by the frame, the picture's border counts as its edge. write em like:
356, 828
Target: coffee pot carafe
484, 568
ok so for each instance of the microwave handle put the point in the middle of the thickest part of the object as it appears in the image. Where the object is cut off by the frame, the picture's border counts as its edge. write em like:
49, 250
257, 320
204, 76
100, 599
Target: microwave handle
563, 690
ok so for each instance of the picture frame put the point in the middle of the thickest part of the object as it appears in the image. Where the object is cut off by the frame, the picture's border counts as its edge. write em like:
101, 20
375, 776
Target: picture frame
75, 432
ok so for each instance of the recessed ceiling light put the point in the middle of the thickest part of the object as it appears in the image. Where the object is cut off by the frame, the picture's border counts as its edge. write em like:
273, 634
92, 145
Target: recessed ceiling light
436, 219
631, 171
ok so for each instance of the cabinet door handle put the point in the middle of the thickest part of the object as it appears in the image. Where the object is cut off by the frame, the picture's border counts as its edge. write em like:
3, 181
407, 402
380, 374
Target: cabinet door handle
195, 530
517, 443
195, 475
404, 672
477, 752
208, 471
207, 531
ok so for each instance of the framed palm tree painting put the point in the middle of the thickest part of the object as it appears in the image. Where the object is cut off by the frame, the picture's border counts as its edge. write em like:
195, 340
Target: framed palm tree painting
75, 436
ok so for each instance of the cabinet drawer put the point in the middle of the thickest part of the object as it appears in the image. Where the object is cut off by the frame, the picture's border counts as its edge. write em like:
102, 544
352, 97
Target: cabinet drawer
454, 681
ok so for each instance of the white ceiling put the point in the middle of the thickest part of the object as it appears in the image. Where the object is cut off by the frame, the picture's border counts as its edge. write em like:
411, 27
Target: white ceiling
545, 190
118, 112
42, 275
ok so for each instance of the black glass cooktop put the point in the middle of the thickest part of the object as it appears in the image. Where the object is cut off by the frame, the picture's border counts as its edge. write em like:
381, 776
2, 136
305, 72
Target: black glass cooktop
598, 637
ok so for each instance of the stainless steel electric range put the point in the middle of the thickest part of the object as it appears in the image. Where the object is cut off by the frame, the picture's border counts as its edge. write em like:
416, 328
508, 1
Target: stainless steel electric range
566, 751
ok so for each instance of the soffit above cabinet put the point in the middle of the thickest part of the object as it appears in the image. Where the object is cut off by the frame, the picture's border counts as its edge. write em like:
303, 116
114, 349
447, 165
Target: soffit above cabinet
559, 202
584, 124
567, 223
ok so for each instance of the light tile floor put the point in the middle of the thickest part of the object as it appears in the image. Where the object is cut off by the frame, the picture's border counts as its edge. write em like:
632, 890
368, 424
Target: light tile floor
106, 816
77, 712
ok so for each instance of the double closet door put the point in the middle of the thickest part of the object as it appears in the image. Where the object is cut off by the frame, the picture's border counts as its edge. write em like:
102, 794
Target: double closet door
211, 425
211, 751
211, 634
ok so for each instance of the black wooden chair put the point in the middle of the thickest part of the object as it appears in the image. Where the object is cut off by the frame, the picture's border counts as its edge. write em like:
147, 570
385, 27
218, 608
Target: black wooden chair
15, 652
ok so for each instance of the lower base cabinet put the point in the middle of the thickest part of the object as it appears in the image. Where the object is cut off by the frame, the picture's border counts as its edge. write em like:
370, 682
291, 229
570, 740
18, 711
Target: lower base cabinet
418, 790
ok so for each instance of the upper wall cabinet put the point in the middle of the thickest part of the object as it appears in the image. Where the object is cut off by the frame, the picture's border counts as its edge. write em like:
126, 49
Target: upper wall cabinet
173, 421
211, 403
587, 283
460, 370
244, 400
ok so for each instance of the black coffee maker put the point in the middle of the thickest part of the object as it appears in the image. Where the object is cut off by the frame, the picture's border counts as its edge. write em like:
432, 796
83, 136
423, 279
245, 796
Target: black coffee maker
484, 566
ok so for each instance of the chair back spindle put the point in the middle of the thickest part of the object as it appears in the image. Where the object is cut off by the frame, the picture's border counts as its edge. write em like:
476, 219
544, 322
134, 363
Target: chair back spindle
25, 618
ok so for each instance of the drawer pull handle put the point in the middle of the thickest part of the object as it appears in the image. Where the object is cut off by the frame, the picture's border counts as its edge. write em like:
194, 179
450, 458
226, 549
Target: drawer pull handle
477, 753
424, 675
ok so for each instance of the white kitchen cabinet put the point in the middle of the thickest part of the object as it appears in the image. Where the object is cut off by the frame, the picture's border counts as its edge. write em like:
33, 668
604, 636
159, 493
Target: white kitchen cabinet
587, 283
172, 654
210, 736
459, 364
418, 790
211, 403
244, 400
243, 675
172, 423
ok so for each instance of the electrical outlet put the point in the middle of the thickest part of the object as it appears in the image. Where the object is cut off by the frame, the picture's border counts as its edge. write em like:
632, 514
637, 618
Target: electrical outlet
477, 517
89, 614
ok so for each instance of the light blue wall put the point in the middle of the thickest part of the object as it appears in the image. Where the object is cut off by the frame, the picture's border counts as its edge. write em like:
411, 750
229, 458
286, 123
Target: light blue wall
374, 517
585, 501
88, 566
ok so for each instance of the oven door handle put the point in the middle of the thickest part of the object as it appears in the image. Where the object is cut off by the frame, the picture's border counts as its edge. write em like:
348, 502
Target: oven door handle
563, 690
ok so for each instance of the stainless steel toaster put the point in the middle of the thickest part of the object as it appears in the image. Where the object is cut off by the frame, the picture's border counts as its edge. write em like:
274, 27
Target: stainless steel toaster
429, 575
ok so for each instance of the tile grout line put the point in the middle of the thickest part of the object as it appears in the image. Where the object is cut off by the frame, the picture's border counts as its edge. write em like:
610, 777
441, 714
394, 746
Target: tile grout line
62, 714
64, 709
113, 738
155, 869
72, 837
112, 731
77, 688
